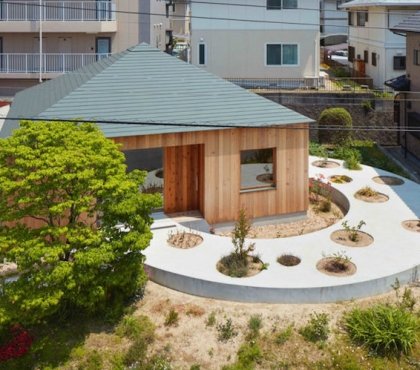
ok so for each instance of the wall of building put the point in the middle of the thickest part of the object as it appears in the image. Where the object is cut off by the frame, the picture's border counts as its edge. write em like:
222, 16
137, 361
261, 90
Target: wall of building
376, 38
237, 48
242, 54
222, 196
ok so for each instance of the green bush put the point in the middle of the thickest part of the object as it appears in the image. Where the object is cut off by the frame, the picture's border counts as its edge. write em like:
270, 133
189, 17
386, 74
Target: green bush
136, 328
255, 324
317, 328
317, 150
234, 265
248, 354
385, 330
284, 335
335, 117
211, 319
172, 318
226, 331
352, 160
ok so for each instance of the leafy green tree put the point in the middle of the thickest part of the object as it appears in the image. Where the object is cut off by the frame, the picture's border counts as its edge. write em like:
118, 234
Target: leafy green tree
338, 117
63, 190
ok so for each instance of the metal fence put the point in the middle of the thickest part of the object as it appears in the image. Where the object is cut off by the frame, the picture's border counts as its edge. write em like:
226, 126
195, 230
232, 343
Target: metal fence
349, 84
51, 63
58, 11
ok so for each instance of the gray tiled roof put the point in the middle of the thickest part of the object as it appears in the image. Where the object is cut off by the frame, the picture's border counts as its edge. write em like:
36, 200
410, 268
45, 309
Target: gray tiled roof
409, 24
366, 3
145, 85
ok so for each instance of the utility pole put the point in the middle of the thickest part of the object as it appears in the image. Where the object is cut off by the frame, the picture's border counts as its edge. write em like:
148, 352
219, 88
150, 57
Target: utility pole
40, 41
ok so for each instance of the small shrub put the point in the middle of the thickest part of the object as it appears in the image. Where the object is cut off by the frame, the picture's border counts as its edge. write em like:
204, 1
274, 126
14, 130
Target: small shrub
407, 301
211, 319
195, 310
335, 117
324, 205
352, 160
226, 331
91, 361
284, 335
195, 367
352, 231
136, 328
240, 232
234, 265
248, 355
172, 318
385, 330
317, 328
367, 106
255, 324
318, 150
367, 191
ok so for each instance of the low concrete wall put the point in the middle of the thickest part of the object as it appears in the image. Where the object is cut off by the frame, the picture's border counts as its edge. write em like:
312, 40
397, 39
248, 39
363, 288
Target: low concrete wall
311, 104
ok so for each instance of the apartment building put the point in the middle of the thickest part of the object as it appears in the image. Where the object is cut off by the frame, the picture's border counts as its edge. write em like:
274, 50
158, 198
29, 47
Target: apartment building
408, 100
41, 39
254, 39
374, 50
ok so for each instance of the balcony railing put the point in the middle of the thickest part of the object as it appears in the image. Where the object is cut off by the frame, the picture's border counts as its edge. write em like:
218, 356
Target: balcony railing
51, 63
58, 11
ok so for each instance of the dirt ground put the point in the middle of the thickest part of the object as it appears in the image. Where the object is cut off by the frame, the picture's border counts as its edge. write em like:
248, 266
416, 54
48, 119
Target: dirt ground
192, 342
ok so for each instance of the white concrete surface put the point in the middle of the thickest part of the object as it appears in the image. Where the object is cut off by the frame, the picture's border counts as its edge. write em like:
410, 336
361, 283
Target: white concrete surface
395, 252
3, 113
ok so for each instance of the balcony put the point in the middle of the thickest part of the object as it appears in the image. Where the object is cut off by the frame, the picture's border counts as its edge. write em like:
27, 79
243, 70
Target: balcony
58, 16
28, 65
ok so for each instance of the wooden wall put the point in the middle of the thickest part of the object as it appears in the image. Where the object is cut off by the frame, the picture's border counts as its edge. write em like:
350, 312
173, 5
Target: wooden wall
222, 196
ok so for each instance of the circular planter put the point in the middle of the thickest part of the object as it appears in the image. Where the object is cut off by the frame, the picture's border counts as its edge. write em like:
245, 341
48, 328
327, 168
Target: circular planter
184, 240
375, 197
412, 225
255, 266
336, 267
288, 260
325, 164
340, 179
388, 180
342, 237
266, 178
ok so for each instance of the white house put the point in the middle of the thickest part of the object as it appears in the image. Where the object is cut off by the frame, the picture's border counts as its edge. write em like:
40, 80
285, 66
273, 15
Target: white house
334, 25
256, 39
374, 50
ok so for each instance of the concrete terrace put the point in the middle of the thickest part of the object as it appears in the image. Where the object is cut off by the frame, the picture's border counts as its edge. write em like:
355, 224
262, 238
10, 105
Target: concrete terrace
395, 252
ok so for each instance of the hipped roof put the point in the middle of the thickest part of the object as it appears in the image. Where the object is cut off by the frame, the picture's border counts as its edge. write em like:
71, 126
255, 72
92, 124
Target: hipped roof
145, 85
409, 24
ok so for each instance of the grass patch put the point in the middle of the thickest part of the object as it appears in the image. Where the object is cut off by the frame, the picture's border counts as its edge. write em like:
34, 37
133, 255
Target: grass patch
316, 330
385, 330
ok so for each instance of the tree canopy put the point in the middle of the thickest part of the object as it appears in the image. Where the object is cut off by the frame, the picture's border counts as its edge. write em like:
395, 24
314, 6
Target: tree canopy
63, 191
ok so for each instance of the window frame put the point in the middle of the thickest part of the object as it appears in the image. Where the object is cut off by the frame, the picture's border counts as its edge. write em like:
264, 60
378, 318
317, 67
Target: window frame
267, 44
261, 187
416, 57
401, 65
374, 57
362, 17
366, 56
351, 54
202, 44
281, 6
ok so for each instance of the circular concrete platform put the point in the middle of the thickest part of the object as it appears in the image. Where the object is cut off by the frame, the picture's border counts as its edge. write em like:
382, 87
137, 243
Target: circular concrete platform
395, 252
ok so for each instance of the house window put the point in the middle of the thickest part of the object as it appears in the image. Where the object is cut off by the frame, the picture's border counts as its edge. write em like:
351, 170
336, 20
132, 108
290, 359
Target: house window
366, 56
258, 169
416, 55
281, 4
399, 63
350, 19
352, 52
374, 56
202, 54
362, 18
281, 54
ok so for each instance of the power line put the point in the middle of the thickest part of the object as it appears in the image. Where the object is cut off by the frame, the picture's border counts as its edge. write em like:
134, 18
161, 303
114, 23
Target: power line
218, 125
196, 16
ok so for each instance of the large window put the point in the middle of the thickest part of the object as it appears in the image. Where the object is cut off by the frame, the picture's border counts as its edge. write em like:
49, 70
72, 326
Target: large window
282, 4
399, 63
362, 18
416, 55
366, 56
281, 54
258, 169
